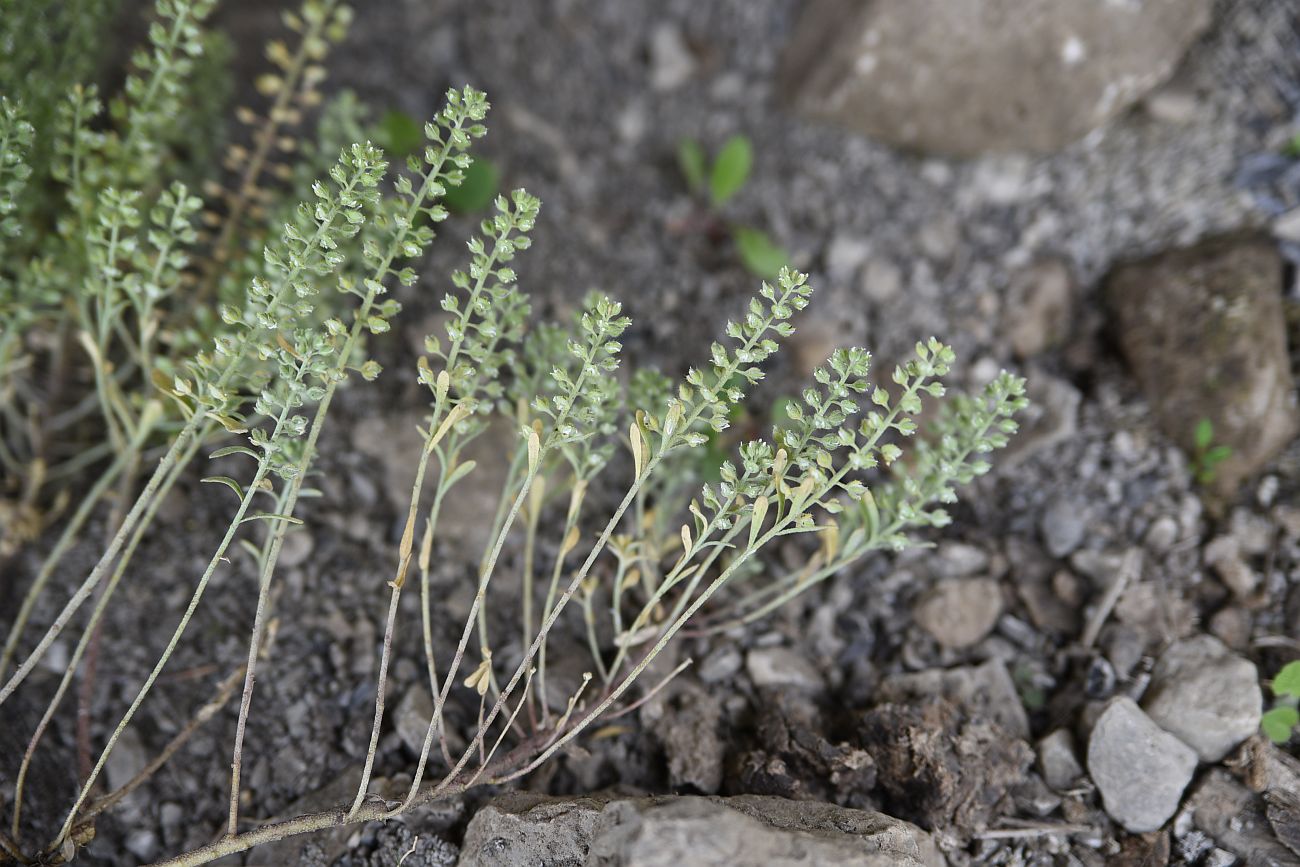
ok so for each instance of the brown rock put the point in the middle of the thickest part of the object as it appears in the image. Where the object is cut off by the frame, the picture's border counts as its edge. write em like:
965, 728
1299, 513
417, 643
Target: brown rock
1204, 332
1037, 310
959, 612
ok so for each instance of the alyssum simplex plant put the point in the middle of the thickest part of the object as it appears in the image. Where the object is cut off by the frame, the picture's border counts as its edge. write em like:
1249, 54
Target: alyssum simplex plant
166, 380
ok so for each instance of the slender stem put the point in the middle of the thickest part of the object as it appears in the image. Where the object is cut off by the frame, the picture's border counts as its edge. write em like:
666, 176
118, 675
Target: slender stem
224, 693
254, 651
380, 693
313, 435
61, 547
263, 468
556, 568
86, 636
178, 445
110, 554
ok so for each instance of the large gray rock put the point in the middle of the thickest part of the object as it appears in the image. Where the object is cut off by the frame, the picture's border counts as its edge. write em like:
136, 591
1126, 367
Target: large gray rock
1205, 334
1140, 769
1206, 695
968, 76
522, 830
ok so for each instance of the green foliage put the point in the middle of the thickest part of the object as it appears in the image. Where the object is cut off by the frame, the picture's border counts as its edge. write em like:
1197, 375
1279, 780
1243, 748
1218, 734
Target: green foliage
244, 335
693, 163
760, 255
1206, 456
477, 190
1280, 721
15, 144
730, 169
721, 181
398, 133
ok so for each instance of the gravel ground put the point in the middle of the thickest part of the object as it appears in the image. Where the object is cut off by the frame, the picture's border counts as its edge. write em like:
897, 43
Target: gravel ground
899, 247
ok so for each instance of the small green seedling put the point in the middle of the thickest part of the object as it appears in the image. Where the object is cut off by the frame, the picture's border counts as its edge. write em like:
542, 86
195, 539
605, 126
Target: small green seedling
720, 181
401, 135
1281, 720
1207, 456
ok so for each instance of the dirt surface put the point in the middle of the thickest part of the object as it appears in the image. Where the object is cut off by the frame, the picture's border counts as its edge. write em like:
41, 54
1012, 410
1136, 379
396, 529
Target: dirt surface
899, 247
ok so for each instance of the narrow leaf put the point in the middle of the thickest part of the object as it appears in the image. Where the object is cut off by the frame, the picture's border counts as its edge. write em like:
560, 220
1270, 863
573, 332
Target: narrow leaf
228, 482
730, 169
234, 450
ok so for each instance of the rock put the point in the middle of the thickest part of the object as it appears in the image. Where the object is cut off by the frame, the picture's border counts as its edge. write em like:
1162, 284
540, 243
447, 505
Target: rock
1287, 226
968, 76
1056, 758
1172, 104
980, 690
1204, 332
721, 663
845, 255
882, 280
689, 734
671, 62
782, 667
143, 844
1063, 525
1237, 819
523, 830
959, 612
296, 548
1162, 534
958, 559
1140, 769
1223, 555
1232, 626
127, 759
938, 238
1206, 695
1037, 310
412, 717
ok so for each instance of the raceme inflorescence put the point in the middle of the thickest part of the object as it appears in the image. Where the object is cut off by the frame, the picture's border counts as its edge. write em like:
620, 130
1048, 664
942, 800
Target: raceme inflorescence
212, 314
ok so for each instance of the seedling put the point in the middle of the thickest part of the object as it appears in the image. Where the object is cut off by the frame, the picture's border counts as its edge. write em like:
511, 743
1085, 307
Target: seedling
1279, 722
1206, 456
718, 182
400, 136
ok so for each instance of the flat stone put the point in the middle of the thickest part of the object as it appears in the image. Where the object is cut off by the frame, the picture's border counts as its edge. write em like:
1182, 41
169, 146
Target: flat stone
971, 76
523, 830
959, 612
1140, 769
1206, 695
